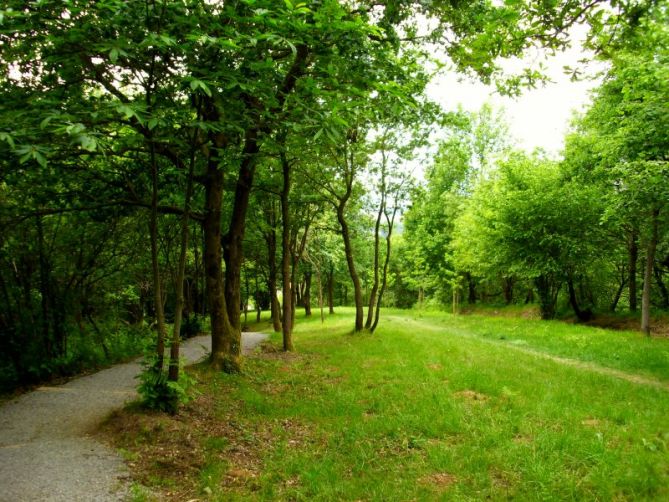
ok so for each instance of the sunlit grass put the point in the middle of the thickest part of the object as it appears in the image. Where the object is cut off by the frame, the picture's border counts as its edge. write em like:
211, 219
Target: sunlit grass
435, 407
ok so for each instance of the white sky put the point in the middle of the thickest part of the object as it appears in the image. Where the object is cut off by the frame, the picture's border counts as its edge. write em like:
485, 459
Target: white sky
539, 117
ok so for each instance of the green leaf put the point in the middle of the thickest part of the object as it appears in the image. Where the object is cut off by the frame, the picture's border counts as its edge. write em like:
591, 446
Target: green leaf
41, 159
113, 55
6, 137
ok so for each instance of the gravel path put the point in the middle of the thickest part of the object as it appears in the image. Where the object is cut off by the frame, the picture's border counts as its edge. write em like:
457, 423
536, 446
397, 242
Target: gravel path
46, 452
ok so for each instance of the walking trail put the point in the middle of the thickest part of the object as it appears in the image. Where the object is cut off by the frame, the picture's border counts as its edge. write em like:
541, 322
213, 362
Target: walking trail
575, 363
46, 449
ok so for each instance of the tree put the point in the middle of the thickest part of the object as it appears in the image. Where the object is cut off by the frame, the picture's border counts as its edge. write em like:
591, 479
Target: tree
628, 147
532, 223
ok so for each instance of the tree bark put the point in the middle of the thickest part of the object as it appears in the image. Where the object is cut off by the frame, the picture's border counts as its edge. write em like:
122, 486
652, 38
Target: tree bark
306, 299
348, 250
662, 287
508, 290
648, 273
45, 290
270, 238
582, 315
471, 289
548, 289
233, 242
633, 250
287, 328
155, 267
331, 291
173, 372
225, 350
377, 226
619, 291
384, 278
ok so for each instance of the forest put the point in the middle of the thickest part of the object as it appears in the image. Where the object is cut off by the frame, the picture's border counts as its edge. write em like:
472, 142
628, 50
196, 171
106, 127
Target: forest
167, 162
172, 168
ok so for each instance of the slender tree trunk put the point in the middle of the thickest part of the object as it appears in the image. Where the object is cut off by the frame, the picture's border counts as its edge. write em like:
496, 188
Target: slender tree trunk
375, 282
662, 287
348, 250
319, 276
223, 355
471, 289
44, 291
246, 298
648, 273
295, 289
619, 291
271, 284
384, 277
582, 315
306, 299
508, 290
287, 327
256, 297
173, 372
331, 291
633, 250
157, 286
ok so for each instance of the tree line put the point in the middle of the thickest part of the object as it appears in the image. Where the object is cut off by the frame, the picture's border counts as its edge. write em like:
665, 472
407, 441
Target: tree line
587, 232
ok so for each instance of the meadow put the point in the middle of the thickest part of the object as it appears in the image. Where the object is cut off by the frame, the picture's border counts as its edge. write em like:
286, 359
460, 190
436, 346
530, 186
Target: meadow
430, 407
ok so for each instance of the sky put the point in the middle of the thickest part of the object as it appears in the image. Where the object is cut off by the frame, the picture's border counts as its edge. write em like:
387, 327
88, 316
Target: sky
540, 117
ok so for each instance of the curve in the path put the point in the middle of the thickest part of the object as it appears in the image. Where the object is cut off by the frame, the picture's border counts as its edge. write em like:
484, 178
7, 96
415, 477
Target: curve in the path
46, 453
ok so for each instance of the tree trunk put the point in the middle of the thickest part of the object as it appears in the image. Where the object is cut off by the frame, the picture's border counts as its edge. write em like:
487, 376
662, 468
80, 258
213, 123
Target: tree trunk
287, 327
662, 287
375, 282
384, 277
582, 315
331, 291
508, 290
224, 355
548, 289
233, 242
471, 289
173, 373
619, 292
648, 274
348, 250
45, 291
271, 284
157, 287
306, 299
320, 293
633, 250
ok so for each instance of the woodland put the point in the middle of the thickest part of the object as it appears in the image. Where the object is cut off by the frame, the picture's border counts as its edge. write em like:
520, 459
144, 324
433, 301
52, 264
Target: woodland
175, 167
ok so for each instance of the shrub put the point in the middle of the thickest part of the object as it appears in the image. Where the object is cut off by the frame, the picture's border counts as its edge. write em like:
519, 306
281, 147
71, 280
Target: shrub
159, 393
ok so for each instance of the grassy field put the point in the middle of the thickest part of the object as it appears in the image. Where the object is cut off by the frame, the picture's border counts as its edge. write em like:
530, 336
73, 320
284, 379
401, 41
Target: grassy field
431, 407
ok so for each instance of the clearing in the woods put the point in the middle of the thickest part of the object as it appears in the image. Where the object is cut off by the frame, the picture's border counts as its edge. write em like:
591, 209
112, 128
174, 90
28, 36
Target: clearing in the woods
430, 407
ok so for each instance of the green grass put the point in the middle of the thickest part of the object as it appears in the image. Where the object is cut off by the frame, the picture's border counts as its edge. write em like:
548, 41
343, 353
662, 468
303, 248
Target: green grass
624, 350
436, 407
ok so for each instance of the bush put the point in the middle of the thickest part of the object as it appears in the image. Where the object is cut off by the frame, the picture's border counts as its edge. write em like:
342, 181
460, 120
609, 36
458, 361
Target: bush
157, 392
191, 326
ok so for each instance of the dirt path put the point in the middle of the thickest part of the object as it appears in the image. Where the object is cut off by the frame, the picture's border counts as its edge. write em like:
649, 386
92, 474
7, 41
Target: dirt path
46, 452
575, 363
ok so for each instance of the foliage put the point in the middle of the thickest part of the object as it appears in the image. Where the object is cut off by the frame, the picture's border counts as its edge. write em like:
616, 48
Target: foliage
157, 392
191, 326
